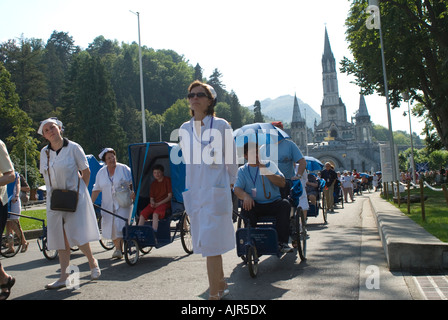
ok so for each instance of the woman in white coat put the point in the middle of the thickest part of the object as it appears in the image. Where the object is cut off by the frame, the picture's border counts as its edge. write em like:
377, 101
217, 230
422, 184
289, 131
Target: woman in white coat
209, 151
62, 164
114, 181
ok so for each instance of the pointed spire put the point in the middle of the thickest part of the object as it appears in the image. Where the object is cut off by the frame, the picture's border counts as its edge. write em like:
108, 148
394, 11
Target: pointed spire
296, 115
362, 111
327, 47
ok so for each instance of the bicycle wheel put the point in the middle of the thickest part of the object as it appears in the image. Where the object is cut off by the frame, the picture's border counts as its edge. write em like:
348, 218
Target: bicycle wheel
131, 252
300, 233
324, 208
49, 254
11, 245
252, 261
185, 233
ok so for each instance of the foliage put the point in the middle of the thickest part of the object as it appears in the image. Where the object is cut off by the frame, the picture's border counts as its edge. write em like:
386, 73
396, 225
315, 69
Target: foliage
96, 93
415, 37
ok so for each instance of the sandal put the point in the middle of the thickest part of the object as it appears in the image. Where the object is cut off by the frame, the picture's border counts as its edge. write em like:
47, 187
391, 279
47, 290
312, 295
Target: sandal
24, 247
5, 294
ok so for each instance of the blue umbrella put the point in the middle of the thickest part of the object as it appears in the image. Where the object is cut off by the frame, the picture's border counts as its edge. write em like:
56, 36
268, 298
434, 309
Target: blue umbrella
313, 164
263, 133
365, 175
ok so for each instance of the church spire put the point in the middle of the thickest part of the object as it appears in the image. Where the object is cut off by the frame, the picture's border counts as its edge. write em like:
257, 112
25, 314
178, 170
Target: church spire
362, 111
328, 60
296, 115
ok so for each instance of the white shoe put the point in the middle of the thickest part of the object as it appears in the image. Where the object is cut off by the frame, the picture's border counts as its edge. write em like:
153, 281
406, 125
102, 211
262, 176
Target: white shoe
56, 285
95, 273
117, 254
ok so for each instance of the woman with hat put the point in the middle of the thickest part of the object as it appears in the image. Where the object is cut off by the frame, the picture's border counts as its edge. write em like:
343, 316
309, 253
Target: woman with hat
114, 181
64, 165
209, 151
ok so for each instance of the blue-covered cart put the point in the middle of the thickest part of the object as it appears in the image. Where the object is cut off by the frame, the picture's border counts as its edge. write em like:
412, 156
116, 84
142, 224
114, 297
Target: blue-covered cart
141, 239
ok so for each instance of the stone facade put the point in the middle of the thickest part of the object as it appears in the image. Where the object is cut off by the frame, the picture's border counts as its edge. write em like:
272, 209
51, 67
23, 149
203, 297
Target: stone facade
348, 145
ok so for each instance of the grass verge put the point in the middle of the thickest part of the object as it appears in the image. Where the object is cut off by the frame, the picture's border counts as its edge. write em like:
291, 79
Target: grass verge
436, 212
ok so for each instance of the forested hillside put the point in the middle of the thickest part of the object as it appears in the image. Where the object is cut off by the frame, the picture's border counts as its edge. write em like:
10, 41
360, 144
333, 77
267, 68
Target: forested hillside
95, 92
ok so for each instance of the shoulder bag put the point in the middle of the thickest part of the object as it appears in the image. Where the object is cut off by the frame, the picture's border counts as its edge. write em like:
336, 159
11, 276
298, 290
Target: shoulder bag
62, 199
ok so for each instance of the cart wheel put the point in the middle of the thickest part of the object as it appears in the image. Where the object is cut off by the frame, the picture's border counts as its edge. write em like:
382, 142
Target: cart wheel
49, 254
324, 208
300, 234
107, 243
252, 261
7, 240
131, 252
145, 250
185, 233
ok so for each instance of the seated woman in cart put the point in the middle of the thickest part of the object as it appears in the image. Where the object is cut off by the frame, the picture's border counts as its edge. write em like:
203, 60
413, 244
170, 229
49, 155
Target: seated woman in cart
258, 186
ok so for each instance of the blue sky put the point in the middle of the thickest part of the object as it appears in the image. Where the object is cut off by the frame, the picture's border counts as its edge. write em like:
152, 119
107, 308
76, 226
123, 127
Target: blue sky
264, 49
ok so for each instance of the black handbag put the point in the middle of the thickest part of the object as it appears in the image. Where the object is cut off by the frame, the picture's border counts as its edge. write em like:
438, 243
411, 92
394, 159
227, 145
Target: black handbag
62, 199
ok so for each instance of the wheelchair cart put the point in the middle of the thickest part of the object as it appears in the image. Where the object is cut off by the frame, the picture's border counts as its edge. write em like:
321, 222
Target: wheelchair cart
141, 239
253, 242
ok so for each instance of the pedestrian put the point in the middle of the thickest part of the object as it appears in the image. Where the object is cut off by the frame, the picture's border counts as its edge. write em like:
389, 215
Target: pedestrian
114, 181
64, 165
6, 177
13, 223
209, 152
347, 186
330, 177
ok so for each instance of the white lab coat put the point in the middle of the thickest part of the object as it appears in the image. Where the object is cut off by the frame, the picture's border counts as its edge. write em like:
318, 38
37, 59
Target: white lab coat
207, 199
80, 226
112, 227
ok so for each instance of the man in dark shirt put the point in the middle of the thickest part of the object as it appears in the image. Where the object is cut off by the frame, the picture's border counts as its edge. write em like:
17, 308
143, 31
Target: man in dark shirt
330, 176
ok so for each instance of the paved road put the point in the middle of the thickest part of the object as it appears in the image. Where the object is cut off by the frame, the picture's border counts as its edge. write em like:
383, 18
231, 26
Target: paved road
342, 256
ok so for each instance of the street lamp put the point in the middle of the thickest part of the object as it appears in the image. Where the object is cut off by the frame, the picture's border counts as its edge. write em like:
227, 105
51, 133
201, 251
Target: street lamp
407, 98
374, 22
142, 95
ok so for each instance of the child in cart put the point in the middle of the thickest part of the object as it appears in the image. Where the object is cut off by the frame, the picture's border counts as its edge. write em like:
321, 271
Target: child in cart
160, 195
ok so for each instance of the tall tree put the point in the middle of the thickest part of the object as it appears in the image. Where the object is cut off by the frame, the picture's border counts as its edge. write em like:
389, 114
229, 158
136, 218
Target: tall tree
235, 108
197, 72
90, 108
416, 52
57, 57
258, 116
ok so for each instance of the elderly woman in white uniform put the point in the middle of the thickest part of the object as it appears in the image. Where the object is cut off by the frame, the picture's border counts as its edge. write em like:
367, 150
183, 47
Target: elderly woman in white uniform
63, 162
211, 169
114, 181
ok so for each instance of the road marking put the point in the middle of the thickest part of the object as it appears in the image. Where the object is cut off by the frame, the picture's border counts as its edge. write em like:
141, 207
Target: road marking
432, 287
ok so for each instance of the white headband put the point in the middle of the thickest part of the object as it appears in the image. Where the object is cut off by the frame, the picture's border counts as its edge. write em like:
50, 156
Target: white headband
105, 150
52, 120
212, 90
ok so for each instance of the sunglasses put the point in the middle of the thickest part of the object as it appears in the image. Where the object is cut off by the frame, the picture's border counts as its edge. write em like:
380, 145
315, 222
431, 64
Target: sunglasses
199, 95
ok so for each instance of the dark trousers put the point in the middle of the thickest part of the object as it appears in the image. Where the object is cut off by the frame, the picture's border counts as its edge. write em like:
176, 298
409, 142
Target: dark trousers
3, 217
280, 209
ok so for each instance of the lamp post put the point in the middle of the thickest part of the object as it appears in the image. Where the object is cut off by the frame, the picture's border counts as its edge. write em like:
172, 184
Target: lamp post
142, 95
374, 22
407, 98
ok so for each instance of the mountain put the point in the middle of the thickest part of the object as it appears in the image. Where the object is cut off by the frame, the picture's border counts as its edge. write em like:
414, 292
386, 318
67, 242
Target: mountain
281, 109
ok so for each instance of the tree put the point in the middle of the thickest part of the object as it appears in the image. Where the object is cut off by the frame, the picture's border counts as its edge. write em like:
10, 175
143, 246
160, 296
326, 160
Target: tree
416, 52
90, 109
258, 116
235, 108
198, 72
24, 61
216, 83
57, 57
16, 129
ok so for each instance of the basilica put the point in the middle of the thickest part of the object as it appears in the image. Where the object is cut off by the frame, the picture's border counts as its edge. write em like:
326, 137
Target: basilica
347, 145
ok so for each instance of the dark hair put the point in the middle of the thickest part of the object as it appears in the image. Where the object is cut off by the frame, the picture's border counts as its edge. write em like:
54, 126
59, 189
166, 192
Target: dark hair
104, 155
158, 167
